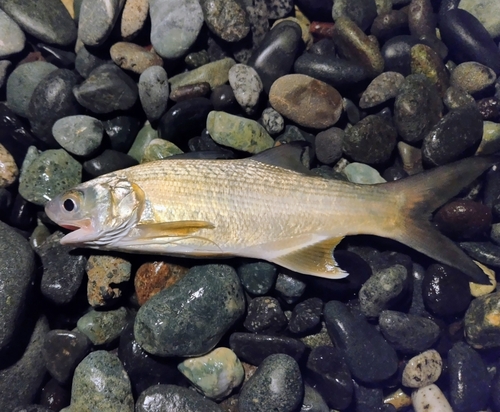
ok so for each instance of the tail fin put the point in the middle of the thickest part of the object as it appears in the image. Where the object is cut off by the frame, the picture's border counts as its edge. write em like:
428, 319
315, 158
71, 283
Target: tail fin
420, 195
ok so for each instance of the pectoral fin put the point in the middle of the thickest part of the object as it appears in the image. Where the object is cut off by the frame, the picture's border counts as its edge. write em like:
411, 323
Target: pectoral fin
316, 259
172, 229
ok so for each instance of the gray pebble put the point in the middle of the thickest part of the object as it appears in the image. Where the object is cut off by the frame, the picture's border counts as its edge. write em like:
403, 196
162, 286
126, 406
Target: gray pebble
257, 277
11, 36
103, 327
290, 286
278, 9
456, 98
313, 401
384, 87
423, 369
85, 62
226, 18
329, 145
362, 12
96, 20
272, 121
154, 91
80, 135
472, 77
246, 85
362, 174
4, 67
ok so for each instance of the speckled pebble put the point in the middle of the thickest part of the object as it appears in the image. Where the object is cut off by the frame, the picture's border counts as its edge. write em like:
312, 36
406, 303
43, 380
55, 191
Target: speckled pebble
482, 322
257, 278
472, 77
103, 327
424, 60
265, 316
80, 135
135, 13
228, 19
159, 149
455, 98
8, 168
272, 121
290, 287
246, 85
96, 20
423, 369
131, 56
430, 399
384, 87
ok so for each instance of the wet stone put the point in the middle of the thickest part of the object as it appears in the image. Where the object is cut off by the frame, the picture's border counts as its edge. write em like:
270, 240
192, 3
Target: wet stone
108, 161
423, 369
159, 149
80, 135
313, 401
306, 316
190, 91
197, 59
12, 36
484, 252
490, 142
130, 56
279, 8
223, 99
142, 140
101, 383
472, 77
246, 85
367, 399
257, 278
254, 348
329, 145
489, 107
482, 328
455, 98
421, 18
327, 372
121, 130
426, 61
397, 54
103, 327
276, 385
227, 19
430, 397
8, 168
265, 316
290, 287
272, 121
62, 352
63, 270
86, 61
359, 11
389, 25
54, 396
384, 87
96, 20
215, 73
200, 323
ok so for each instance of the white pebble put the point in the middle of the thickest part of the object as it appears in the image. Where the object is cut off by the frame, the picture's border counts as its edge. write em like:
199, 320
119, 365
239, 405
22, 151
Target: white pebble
423, 369
430, 399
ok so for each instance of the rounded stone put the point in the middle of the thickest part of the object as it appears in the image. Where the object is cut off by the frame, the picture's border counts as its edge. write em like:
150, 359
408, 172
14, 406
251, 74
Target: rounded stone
143, 138
362, 174
455, 98
214, 73
103, 327
8, 168
424, 60
226, 18
80, 135
486, 11
430, 396
397, 53
481, 322
472, 77
384, 87
423, 369
135, 13
12, 36
246, 86
96, 20
360, 11
329, 145
272, 121
257, 278
265, 316
131, 56
190, 91
159, 149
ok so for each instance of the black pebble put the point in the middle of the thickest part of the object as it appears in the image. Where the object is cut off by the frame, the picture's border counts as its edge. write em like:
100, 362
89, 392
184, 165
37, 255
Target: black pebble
107, 162
306, 316
397, 54
265, 316
122, 130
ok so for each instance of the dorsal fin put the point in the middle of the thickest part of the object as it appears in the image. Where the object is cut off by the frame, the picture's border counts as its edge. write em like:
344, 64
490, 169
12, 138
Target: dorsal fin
286, 156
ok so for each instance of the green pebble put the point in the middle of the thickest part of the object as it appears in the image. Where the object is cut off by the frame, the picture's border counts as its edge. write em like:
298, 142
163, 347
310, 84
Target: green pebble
238, 132
80, 135
215, 73
39, 235
143, 139
47, 175
103, 327
363, 174
491, 139
159, 149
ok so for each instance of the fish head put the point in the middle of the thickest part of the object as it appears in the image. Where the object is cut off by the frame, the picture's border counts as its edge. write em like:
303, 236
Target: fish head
100, 211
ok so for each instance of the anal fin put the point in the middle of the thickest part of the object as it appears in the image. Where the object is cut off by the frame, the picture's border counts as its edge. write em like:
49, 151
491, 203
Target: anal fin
172, 229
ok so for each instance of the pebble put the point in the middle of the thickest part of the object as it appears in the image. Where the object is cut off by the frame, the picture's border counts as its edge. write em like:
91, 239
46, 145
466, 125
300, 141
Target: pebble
8, 168
489, 107
276, 385
56, 55
328, 373
484, 252
11, 35
450, 139
390, 24
477, 289
223, 99
423, 369
105, 274
142, 140
17, 268
134, 15
329, 145
424, 60
174, 398
215, 74
383, 88
215, 374
290, 287
227, 19
103, 327
382, 290
421, 18
106, 89
80, 135
86, 61
313, 401
265, 316
51, 23
108, 161
170, 18
430, 399
486, 11
362, 174
481, 324
130, 56
159, 149
246, 85
306, 316
372, 140
62, 351
272, 121
203, 319
4, 69
408, 333
490, 143
472, 77
278, 9
238, 132
97, 19
63, 270
61, 172
349, 333
455, 98
257, 278
411, 158
307, 37
254, 348
101, 383
469, 379
397, 53
190, 91
292, 96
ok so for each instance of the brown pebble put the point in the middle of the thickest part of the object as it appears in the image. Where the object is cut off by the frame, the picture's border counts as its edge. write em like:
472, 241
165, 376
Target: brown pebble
306, 101
153, 277
189, 91
133, 18
8, 168
130, 56
321, 30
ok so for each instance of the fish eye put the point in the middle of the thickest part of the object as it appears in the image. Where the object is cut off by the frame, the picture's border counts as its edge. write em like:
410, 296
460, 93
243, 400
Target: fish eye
69, 205
71, 202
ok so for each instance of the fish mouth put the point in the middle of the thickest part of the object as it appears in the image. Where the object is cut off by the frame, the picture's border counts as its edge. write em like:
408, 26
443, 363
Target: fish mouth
82, 232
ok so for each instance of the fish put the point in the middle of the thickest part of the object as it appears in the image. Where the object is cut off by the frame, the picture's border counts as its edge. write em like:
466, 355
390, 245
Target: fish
268, 206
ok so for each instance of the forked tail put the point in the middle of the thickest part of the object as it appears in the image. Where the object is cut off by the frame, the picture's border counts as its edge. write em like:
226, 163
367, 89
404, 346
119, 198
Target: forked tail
419, 195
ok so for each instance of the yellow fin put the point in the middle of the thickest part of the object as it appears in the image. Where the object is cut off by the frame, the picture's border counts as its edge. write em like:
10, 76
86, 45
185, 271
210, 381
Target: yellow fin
172, 229
316, 260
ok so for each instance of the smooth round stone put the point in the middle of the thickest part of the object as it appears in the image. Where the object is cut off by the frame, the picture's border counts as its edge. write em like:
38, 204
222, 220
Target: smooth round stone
161, 328
396, 54
63, 270
362, 174
490, 142
382, 290
174, 26
61, 172
86, 61
265, 316
62, 352
154, 91
107, 162
223, 99
196, 59
101, 383
313, 401
190, 91
383, 88
469, 379
472, 77
445, 290
337, 72
367, 398
226, 18
107, 89
276, 385
290, 287
80, 135
421, 18
306, 316
52, 100
22, 213
272, 121
455, 98
468, 40
122, 130
96, 20
134, 15
131, 56
295, 95
246, 85
11, 36
16, 270
417, 108
372, 140
173, 398
482, 328
4, 69
105, 274
484, 252
426, 61
453, 137
159, 149
184, 120
23, 370
423, 369
276, 54
486, 11
430, 398
51, 23
257, 278
329, 145
359, 11
142, 140
215, 374
389, 25
254, 348
215, 74
238, 132
54, 397
354, 45
8, 168
307, 37
350, 333
103, 327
